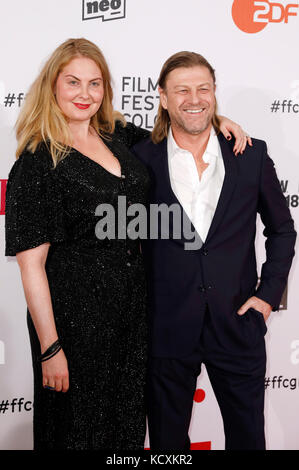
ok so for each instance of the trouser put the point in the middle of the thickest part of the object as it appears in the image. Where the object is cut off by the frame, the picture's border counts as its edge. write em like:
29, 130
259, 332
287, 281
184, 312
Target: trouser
238, 383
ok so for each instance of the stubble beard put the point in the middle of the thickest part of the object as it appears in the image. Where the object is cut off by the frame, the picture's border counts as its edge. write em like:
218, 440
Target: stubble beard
196, 129
193, 130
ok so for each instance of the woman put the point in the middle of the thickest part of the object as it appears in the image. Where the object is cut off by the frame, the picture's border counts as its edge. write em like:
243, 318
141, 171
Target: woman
85, 296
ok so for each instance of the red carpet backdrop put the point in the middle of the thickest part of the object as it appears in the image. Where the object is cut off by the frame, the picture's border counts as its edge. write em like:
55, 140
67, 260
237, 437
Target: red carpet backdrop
252, 45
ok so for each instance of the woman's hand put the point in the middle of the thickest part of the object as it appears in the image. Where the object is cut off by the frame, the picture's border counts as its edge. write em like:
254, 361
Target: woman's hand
227, 127
36, 287
55, 373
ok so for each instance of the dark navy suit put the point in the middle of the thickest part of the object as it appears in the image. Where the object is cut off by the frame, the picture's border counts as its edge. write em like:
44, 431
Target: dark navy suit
194, 296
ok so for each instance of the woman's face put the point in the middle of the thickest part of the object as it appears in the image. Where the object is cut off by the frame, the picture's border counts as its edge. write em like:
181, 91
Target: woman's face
79, 89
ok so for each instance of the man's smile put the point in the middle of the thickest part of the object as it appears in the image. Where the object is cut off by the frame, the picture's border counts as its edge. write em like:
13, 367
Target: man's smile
194, 111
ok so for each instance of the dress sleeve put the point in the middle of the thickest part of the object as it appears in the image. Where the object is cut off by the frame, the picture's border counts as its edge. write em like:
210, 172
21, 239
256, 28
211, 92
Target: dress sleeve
130, 134
33, 209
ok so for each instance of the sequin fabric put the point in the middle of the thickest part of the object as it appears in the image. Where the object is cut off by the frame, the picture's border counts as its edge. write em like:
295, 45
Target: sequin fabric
98, 294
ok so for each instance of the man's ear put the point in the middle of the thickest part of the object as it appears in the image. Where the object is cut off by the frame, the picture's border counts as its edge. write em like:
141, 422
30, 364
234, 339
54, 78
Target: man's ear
163, 97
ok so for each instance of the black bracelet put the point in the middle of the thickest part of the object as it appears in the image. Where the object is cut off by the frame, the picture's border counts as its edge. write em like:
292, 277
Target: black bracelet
50, 352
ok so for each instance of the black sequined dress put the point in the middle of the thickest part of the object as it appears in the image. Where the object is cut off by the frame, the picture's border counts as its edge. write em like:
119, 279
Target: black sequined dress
98, 294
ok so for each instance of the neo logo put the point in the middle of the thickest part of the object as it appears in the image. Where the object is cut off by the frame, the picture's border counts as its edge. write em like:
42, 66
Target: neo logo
106, 9
253, 16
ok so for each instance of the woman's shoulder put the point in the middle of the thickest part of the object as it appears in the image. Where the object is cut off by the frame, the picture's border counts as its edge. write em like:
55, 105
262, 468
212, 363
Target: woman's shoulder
128, 133
35, 163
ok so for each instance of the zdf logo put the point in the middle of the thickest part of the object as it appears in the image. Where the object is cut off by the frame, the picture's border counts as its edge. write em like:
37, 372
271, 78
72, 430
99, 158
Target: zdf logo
253, 16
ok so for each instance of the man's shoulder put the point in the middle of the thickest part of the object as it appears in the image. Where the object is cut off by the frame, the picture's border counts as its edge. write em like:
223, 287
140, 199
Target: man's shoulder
146, 143
147, 149
257, 145
254, 155
256, 151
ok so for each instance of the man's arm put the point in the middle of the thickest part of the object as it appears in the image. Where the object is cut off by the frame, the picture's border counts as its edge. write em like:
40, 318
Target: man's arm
280, 240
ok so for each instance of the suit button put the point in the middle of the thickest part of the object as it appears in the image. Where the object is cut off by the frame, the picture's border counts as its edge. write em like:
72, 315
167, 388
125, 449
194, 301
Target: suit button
202, 288
129, 264
205, 252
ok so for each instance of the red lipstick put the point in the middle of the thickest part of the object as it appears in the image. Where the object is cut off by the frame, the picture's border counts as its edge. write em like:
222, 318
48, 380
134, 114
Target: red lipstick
82, 106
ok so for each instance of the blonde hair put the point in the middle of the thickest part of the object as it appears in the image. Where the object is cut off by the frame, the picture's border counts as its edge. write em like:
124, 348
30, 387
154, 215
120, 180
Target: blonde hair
180, 59
41, 119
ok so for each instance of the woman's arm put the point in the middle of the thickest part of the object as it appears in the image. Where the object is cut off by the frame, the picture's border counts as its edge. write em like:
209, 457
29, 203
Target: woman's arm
242, 138
37, 293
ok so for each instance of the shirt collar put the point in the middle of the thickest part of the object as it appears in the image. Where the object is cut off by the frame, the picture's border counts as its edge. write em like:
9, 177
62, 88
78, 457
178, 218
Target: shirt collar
172, 146
213, 144
212, 147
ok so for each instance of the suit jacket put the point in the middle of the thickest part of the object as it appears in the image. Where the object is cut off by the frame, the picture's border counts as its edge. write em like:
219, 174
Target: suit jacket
222, 274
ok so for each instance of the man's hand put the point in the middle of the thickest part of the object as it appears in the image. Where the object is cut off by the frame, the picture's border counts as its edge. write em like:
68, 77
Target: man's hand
258, 304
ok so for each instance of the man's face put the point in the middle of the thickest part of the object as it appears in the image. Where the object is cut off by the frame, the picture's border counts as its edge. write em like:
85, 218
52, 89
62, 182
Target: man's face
189, 97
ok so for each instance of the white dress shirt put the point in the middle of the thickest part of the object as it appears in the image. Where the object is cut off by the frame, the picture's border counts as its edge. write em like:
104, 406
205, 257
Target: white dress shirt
199, 197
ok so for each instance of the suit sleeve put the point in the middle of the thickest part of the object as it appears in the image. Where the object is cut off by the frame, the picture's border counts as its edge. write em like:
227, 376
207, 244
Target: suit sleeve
279, 232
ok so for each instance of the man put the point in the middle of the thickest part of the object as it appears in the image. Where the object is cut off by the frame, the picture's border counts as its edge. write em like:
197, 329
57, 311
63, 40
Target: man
204, 304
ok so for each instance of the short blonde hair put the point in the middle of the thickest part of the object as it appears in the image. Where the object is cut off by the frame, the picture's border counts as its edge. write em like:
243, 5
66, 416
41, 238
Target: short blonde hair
180, 59
41, 119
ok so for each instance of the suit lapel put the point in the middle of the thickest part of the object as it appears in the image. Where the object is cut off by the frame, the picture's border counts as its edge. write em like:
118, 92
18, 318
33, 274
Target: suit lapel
163, 174
229, 183
168, 196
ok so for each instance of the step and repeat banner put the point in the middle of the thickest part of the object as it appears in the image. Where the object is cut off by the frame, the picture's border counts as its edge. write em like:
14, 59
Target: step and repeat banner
251, 44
